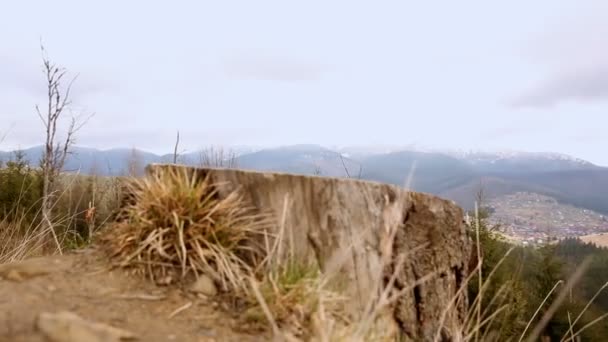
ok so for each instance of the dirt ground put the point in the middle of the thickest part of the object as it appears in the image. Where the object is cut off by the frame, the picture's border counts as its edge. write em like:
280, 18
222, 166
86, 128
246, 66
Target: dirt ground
83, 284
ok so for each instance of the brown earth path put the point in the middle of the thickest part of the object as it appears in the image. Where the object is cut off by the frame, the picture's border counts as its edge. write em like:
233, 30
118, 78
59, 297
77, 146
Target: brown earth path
84, 284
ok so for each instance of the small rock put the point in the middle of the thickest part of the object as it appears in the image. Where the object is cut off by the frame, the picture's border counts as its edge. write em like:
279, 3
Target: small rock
204, 285
203, 297
206, 339
30, 268
13, 275
207, 332
165, 281
66, 326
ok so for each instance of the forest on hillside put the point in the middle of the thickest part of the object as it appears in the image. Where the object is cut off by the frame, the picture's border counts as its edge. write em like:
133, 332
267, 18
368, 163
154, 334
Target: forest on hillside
523, 284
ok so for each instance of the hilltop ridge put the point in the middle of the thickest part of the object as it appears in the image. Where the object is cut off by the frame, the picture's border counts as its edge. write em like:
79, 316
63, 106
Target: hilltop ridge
456, 175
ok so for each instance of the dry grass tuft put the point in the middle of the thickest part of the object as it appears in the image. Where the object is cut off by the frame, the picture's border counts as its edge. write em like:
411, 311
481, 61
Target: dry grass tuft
25, 235
289, 293
177, 225
18, 243
288, 297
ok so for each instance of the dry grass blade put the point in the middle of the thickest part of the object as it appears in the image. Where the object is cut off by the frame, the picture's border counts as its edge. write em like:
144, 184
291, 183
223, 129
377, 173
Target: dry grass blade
558, 301
476, 305
570, 330
290, 292
480, 274
262, 302
454, 300
485, 322
501, 296
588, 325
16, 244
23, 237
523, 334
586, 307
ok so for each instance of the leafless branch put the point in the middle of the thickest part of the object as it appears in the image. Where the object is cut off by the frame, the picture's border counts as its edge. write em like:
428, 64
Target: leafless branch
344, 165
55, 153
175, 150
217, 157
317, 171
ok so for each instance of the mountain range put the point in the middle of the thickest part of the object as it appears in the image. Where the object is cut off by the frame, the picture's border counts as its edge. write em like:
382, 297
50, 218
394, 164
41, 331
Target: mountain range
454, 175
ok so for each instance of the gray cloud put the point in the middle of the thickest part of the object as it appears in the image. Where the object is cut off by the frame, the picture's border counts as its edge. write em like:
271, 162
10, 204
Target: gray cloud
502, 132
272, 69
20, 75
587, 138
572, 53
28, 77
398, 78
590, 84
88, 86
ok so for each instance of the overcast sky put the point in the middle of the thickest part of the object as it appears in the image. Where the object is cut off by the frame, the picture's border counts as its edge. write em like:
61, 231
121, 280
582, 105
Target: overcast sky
519, 75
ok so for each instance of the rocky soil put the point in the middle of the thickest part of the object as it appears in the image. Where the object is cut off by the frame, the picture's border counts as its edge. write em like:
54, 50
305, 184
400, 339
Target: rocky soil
77, 297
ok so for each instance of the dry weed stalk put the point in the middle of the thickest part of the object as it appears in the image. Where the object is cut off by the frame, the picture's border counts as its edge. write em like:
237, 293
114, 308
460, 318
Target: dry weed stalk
19, 243
28, 234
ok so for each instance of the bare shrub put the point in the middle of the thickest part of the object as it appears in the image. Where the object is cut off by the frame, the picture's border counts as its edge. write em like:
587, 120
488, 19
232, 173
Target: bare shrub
217, 157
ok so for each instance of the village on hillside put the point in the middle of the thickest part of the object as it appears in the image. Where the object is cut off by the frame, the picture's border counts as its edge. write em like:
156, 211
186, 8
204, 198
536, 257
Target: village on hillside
531, 218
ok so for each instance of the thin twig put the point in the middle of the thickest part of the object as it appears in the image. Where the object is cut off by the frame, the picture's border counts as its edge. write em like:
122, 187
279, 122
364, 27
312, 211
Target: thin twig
141, 296
180, 309
344, 165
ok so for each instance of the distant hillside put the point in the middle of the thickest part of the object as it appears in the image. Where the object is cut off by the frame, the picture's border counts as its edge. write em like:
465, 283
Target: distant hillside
302, 159
582, 188
493, 187
432, 172
453, 175
459, 177
524, 162
88, 160
530, 215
